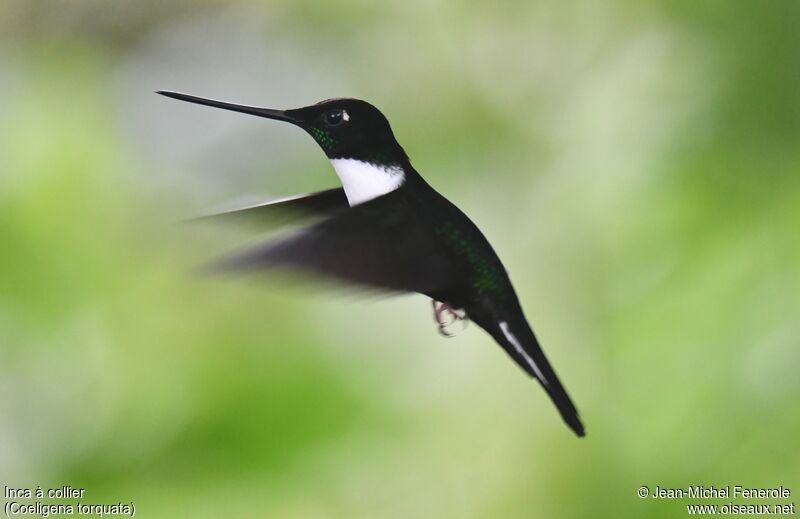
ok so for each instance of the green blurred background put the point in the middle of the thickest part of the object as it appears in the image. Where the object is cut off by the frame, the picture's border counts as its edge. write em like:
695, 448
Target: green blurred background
637, 166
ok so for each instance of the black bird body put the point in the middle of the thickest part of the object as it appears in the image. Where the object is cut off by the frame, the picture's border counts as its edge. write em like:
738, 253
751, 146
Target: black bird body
389, 229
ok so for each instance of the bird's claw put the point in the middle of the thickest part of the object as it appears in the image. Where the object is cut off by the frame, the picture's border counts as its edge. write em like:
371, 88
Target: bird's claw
439, 309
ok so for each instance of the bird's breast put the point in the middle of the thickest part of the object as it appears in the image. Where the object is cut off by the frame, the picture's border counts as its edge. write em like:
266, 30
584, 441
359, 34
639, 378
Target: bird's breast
363, 181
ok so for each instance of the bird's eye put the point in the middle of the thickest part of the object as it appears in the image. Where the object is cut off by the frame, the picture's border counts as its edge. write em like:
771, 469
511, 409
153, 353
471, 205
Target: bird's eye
336, 117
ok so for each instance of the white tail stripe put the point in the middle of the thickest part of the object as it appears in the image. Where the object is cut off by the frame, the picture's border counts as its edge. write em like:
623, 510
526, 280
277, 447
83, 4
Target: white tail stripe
514, 342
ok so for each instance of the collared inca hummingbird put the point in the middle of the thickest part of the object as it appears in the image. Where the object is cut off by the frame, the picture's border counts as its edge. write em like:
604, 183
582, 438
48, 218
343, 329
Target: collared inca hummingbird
387, 228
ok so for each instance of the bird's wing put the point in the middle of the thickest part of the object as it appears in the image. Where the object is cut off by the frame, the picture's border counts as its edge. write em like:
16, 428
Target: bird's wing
368, 245
283, 210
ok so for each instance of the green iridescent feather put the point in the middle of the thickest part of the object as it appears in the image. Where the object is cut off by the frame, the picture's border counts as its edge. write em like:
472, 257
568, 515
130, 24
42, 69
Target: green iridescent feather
487, 277
322, 137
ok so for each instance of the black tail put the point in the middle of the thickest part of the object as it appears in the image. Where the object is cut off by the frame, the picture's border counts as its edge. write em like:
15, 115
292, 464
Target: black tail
517, 338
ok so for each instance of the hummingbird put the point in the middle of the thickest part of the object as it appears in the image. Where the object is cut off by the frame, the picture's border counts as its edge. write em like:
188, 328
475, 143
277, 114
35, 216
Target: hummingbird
386, 228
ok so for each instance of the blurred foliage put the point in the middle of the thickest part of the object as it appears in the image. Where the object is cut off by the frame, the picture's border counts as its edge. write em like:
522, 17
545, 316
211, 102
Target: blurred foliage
636, 166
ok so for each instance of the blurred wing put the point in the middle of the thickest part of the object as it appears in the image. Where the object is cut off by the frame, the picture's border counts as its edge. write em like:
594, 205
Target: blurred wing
284, 210
369, 244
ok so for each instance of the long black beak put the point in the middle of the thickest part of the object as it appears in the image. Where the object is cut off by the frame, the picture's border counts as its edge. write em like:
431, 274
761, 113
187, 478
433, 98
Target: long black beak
269, 113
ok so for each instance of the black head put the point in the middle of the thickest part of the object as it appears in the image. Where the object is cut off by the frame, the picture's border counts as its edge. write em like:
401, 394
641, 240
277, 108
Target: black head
344, 128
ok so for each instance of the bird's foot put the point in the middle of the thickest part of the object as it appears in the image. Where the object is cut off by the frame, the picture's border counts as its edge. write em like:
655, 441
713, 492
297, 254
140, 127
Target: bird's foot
453, 316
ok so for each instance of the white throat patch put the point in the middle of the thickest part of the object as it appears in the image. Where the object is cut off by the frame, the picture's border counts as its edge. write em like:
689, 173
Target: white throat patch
363, 181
